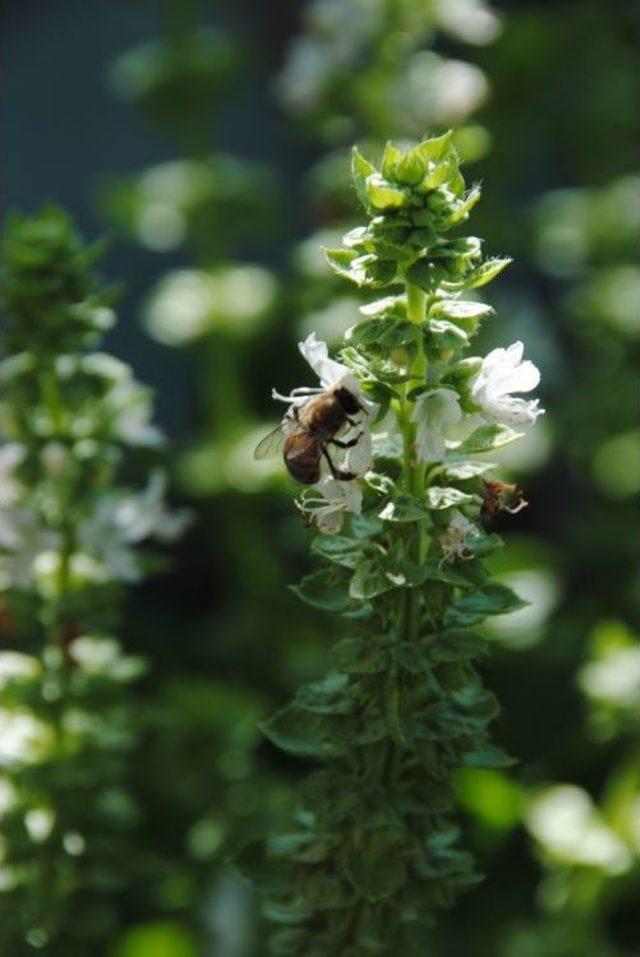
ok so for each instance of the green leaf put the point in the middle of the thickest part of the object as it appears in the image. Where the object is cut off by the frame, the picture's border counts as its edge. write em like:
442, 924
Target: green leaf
359, 656
361, 169
414, 164
328, 696
487, 756
299, 732
338, 549
462, 311
404, 508
376, 872
369, 579
390, 159
388, 333
326, 590
445, 335
439, 497
464, 207
486, 272
486, 439
412, 656
383, 195
461, 471
456, 644
340, 261
492, 600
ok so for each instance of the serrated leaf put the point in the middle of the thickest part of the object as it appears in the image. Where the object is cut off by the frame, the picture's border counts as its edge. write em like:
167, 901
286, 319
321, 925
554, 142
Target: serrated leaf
361, 169
376, 873
390, 159
486, 439
328, 696
487, 271
404, 508
359, 656
338, 549
325, 590
369, 579
414, 164
439, 497
464, 207
461, 471
383, 195
445, 335
299, 732
389, 305
487, 756
492, 600
385, 332
461, 310
456, 645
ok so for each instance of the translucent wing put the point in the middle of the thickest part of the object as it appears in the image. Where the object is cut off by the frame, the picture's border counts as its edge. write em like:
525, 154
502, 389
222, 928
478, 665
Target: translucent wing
271, 445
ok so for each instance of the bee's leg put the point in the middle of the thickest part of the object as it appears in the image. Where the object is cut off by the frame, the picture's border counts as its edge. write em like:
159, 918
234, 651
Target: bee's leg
342, 444
340, 474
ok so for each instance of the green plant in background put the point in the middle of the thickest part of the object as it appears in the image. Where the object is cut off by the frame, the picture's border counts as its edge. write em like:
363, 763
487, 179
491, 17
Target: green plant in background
375, 853
368, 71
69, 537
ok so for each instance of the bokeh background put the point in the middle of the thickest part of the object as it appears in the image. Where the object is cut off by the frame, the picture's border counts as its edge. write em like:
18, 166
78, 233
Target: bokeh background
210, 140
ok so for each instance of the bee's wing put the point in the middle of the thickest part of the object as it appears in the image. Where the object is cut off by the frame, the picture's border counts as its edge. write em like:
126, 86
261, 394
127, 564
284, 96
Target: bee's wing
271, 445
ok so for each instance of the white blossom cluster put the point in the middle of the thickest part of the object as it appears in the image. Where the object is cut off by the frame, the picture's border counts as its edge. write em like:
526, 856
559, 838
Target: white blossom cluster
490, 391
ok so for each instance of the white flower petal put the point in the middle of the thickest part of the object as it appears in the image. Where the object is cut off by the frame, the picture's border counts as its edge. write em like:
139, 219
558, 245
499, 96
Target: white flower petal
502, 373
317, 355
432, 413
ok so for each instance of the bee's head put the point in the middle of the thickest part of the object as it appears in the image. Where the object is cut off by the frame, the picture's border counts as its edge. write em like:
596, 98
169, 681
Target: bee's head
347, 400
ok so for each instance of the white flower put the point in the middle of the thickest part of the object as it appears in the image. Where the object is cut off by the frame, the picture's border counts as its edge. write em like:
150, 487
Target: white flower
503, 372
12, 455
23, 536
24, 739
454, 540
330, 373
432, 413
328, 502
120, 521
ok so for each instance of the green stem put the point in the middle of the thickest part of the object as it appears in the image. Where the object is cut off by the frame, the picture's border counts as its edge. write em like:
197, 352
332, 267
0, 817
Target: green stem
414, 470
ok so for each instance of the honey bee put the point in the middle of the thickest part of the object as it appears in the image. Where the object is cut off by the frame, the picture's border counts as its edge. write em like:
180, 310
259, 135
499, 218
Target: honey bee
307, 429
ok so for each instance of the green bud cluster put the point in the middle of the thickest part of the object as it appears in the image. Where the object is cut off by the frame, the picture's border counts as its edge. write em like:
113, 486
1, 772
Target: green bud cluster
375, 853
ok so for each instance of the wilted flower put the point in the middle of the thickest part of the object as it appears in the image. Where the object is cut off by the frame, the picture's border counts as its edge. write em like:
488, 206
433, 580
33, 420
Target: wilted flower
454, 539
432, 413
328, 503
503, 372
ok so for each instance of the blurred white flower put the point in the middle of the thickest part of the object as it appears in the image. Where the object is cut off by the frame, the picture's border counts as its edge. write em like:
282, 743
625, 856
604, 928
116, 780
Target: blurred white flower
23, 536
569, 826
15, 665
433, 412
615, 678
120, 521
11, 457
472, 21
503, 372
328, 503
24, 739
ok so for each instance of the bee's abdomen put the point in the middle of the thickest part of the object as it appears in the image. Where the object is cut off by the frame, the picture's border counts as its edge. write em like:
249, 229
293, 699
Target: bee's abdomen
302, 458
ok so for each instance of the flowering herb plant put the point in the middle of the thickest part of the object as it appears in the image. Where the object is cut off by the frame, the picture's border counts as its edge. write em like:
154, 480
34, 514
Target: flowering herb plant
68, 533
374, 852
